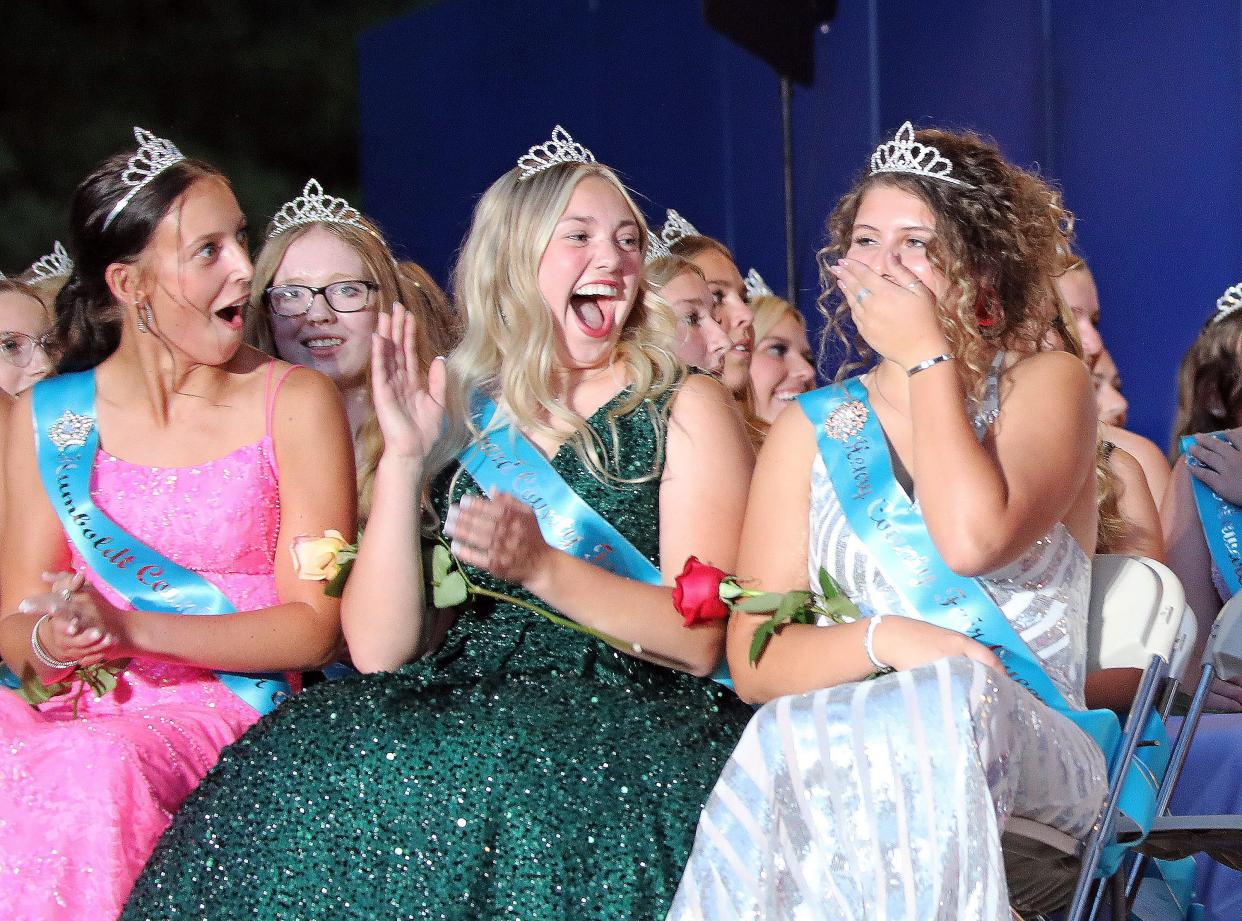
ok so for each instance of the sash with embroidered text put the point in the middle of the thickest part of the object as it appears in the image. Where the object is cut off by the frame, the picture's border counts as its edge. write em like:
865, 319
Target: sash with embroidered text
502, 458
855, 454
1221, 521
66, 441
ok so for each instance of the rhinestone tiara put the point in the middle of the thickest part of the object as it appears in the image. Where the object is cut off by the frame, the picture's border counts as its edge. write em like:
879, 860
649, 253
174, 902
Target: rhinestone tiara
656, 249
153, 157
756, 286
561, 148
54, 265
314, 206
1229, 302
676, 228
903, 154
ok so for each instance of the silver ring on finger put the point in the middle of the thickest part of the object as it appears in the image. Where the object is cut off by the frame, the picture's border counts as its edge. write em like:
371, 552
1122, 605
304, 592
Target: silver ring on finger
66, 594
862, 294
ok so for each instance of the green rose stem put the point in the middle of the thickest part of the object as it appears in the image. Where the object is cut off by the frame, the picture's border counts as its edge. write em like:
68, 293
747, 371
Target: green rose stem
450, 588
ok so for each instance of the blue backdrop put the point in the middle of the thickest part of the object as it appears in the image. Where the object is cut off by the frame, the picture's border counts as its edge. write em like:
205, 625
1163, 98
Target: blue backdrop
1135, 109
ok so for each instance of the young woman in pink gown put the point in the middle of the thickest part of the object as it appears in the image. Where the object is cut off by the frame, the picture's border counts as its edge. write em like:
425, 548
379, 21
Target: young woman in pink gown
203, 459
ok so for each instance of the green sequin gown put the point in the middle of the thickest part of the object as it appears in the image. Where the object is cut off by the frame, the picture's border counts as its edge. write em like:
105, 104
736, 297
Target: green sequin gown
523, 771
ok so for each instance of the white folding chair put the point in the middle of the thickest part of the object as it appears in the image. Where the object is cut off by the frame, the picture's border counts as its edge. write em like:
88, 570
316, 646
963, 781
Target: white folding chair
1138, 619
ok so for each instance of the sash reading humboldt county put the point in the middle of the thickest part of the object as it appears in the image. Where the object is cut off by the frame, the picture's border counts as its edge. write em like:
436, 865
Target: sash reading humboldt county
1221, 521
503, 459
66, 441
855, 454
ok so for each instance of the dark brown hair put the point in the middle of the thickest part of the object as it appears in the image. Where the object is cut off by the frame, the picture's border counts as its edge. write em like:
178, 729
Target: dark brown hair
1209, 381
88, 319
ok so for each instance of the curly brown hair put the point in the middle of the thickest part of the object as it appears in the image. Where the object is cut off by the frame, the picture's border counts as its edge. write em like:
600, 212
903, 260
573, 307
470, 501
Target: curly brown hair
999, 241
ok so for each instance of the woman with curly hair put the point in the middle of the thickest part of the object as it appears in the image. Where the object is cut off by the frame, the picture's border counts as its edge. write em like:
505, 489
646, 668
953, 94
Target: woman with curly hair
949, 490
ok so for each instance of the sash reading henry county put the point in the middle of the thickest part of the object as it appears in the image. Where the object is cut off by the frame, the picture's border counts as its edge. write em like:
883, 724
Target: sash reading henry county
855, 454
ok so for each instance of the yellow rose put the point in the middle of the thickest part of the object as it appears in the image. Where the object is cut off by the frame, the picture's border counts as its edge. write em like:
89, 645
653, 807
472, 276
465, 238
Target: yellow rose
316, 558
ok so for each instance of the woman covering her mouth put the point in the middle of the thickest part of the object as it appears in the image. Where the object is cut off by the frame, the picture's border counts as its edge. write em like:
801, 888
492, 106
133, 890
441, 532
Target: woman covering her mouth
162, 473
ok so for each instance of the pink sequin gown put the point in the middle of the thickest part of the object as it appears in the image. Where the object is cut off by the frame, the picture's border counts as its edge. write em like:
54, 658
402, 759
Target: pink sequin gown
83, 801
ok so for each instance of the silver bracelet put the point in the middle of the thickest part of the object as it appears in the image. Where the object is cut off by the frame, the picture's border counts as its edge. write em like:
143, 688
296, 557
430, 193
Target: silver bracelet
869, 639
924, 365
41, 654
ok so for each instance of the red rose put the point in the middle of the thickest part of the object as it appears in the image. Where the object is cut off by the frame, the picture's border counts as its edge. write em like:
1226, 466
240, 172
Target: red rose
697, 593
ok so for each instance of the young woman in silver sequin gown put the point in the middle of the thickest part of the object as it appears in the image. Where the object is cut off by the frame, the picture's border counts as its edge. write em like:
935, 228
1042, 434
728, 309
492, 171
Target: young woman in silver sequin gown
886, 798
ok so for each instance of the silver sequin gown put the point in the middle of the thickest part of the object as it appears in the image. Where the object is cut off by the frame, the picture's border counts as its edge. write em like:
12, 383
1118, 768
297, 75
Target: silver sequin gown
885, 799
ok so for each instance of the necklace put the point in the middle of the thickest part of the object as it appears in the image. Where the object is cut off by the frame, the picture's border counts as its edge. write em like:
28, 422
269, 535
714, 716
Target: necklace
880, 392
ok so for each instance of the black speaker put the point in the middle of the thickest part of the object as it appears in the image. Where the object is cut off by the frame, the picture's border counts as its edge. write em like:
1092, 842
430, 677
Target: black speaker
781, 32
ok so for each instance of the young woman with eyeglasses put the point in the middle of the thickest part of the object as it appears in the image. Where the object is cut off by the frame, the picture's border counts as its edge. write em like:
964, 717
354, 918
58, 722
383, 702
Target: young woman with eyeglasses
25, 337
322, 278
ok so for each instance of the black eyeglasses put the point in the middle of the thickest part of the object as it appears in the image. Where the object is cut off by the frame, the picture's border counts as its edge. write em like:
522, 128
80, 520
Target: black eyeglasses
18, 348
342, 296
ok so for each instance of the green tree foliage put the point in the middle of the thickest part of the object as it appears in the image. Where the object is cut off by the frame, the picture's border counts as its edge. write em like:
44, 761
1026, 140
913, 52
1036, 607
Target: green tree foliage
265, 90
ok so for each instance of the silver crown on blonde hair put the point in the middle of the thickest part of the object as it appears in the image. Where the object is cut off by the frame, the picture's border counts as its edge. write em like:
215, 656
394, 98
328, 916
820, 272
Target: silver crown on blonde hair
903, 154
55, 264
314, 206
676, 228
561, 148
656, 249
756, 286
153, 157
1229, 302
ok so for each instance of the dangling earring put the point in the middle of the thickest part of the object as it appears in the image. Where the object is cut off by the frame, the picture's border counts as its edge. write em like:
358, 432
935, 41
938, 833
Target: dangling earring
145, 320
142, 327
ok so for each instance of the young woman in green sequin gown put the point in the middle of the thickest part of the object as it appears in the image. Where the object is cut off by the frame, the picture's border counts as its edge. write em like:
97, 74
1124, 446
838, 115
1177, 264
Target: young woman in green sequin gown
518, 769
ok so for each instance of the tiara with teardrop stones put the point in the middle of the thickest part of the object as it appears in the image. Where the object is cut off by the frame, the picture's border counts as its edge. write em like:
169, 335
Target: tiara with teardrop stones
656, 249
55, 264
676, 228
1229, 302
903, 154
756, 286
153, 157
561, 148
314, 206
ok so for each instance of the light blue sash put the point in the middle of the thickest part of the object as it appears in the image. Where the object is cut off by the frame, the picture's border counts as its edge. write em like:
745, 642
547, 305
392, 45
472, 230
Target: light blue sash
1221, 521
66, 440
855, 454
503, 459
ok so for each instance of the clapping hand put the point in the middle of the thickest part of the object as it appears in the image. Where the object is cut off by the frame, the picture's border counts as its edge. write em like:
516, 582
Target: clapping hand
410, 411
82, 626
1219, 464
501, 536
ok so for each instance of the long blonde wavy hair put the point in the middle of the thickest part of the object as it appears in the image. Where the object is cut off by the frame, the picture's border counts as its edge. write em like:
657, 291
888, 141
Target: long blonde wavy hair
433, 329
999, 241
508, 348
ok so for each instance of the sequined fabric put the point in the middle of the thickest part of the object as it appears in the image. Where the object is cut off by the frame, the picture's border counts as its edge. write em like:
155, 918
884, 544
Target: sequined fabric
885, 799
524, 771
83, 801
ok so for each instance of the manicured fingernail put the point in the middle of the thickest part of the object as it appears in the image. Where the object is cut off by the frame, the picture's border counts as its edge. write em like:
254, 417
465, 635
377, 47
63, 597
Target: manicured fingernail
26, 606
843, 262
94, 634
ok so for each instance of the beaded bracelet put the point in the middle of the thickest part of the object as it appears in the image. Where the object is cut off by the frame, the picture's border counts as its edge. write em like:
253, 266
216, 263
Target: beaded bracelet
869, 640
42, 654
924, 365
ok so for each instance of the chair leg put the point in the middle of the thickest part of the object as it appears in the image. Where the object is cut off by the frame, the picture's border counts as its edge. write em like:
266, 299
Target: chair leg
1117, 896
